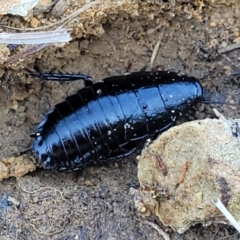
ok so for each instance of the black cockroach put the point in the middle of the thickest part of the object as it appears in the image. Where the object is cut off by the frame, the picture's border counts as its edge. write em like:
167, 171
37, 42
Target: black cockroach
108, 119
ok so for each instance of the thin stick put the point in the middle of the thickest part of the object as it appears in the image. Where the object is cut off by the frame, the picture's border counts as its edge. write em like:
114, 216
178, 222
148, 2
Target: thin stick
24, 54
157, 228
46, 234
154, 53
226, 213
228, 48
218, 114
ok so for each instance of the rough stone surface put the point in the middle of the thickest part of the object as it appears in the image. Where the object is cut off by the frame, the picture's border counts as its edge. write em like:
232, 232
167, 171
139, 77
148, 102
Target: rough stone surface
188, 166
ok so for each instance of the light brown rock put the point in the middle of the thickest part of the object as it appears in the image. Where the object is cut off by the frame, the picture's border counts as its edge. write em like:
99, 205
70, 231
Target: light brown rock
188, 166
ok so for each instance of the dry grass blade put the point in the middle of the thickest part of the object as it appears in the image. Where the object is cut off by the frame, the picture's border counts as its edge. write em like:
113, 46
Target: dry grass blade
56, 36
226, 213
154, 53
37, 48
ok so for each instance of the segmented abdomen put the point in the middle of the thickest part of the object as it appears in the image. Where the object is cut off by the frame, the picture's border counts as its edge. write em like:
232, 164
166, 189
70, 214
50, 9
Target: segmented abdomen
103, 120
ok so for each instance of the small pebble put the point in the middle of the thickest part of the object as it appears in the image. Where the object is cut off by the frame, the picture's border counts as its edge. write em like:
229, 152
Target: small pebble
143, 209
213, 24
88, 183
34, 23
236, 34
13, 200
21, 109
14, 105
75, 198
35, 199
58, 9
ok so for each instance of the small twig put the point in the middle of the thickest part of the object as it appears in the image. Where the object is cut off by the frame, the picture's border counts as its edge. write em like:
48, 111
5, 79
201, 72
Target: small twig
195, 236
228, 48
46, 234
31, 192
182, 174
218, 114
154, 53
228, 237
157, 228
215, 234
226, 213
42, 188
24, 54
162, 165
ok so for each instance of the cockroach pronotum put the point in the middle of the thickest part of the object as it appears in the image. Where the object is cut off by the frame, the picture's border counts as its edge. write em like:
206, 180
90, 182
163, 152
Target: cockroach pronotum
108, 119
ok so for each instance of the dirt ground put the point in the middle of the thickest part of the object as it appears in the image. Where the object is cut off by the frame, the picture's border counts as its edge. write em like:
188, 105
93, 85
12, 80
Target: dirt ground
51, 205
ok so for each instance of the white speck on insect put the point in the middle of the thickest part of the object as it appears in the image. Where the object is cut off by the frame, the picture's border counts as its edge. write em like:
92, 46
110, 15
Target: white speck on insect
127, 125
109, 132
99, 91
173, 111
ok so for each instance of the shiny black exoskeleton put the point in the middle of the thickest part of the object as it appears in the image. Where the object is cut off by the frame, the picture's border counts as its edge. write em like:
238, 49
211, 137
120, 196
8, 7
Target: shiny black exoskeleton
108, 119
